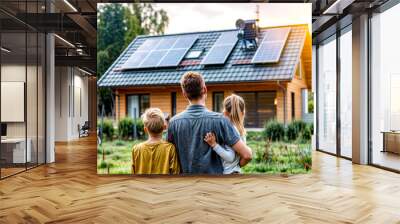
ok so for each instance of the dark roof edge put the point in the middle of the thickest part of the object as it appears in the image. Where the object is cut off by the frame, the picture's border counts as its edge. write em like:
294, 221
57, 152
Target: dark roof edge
207, 83
184, 33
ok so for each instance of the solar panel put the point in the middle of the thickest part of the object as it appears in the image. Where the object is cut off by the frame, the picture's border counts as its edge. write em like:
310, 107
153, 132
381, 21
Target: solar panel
173, 57
220, 51
135, 60
271, 46
160, 52
185, 41
178, 51
153, 59
166, 43
149, 44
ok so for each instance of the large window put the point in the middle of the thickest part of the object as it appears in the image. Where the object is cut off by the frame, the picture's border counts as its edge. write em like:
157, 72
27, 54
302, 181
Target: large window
327, 95
22, 77
260, 107
137, 104
218, 99
385, 89
346, 93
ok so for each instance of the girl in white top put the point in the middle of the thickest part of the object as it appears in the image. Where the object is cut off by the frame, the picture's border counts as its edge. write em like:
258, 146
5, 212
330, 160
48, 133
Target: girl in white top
234, 110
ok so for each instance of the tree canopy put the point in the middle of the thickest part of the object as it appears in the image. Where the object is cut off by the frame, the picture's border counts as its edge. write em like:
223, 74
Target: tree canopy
117, 26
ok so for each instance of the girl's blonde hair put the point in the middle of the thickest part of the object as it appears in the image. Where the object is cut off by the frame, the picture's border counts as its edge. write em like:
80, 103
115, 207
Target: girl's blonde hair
235, 106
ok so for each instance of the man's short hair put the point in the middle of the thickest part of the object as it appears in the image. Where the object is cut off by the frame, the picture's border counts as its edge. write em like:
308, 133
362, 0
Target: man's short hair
153, 120
192, 84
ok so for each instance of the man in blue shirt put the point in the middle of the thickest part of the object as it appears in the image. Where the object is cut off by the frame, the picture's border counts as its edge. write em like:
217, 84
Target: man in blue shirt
187, 130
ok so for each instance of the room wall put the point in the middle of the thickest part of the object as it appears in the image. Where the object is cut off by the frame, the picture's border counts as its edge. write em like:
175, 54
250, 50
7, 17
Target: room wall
33, 127
16, 73
71, 102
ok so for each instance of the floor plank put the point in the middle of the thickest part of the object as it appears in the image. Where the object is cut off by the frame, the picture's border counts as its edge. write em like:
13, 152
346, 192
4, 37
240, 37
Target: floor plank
70, 191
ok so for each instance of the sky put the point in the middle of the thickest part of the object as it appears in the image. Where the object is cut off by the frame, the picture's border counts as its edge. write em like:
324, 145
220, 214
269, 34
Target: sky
189, 17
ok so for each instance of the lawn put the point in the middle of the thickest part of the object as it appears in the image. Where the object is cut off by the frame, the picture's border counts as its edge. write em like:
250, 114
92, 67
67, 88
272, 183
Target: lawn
268, 157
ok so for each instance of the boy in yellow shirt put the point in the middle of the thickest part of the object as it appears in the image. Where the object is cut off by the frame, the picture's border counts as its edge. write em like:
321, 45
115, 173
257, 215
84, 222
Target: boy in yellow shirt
154, 156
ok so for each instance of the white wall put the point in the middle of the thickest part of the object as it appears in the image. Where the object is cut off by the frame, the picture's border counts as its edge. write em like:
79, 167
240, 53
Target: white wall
71, 102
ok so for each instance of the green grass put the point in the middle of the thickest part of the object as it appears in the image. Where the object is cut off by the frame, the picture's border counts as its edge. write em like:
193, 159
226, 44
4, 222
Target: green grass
271, 158
279, 158
118, 157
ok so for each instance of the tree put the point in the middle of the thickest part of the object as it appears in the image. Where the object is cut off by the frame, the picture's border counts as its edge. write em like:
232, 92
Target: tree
118, 25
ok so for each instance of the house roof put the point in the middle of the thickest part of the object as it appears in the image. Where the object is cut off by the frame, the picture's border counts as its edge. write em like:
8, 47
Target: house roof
237, 68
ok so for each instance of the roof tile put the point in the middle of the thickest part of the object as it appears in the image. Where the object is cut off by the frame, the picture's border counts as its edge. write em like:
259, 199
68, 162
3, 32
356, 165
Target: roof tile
236, 69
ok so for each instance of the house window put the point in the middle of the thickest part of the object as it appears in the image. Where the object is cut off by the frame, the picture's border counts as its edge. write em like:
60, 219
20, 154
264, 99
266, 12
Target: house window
137, 104
173, 103
218, 99
194, 54
293, 105
260, 107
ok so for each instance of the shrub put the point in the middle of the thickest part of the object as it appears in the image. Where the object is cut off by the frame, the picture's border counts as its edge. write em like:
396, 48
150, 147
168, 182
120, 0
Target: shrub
140, 128
107, 128
102, 164
310, 106
274, 130
307, 133
125, 127
291, 132
311, 128
295, 129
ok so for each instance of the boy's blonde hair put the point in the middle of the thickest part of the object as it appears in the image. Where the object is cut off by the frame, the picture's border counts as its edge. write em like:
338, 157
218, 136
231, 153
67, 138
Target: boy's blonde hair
153, 120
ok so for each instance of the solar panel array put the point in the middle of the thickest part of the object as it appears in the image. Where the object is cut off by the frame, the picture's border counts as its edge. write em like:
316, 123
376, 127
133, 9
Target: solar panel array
220, 51
160, 52
271, 46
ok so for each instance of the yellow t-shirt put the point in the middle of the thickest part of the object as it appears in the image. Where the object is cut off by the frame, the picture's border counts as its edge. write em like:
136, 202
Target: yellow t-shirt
155, 158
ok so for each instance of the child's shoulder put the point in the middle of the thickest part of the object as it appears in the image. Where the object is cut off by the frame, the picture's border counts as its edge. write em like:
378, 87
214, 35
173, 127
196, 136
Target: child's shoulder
139, 146
167, 144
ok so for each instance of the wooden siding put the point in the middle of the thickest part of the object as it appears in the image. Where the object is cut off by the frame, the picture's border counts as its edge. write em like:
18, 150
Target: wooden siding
161, 96
295, 86
161, 100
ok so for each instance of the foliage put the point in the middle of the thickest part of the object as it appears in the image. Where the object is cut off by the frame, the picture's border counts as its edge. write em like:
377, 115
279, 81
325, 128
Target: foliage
295, 129
274, 130
268, 157
306, 134
255, 136
126, 125
119, 157
279, 157
310, 106
118, 25
311, 102
107, 128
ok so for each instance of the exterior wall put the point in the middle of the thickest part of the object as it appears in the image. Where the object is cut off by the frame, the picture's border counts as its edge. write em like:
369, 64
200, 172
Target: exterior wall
295, 86
161, 96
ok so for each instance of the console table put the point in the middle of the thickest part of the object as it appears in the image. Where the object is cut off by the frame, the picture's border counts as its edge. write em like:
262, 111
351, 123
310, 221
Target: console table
13, 150
391, 141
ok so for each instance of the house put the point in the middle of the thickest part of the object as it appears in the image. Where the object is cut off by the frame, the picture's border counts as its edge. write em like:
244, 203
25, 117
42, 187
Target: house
273, 76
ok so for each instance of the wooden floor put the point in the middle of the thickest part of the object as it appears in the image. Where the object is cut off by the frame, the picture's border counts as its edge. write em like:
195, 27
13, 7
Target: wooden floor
70, 191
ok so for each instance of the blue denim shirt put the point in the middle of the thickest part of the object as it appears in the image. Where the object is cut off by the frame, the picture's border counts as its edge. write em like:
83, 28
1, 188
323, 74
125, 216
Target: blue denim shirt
187, 130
